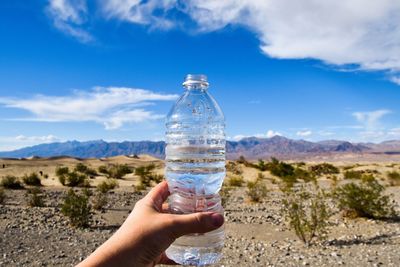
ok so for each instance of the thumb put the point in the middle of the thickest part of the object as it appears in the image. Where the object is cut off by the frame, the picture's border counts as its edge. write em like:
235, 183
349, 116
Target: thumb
200, 222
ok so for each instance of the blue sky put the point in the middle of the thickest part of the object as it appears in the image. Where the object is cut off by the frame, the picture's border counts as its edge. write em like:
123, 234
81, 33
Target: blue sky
85, 70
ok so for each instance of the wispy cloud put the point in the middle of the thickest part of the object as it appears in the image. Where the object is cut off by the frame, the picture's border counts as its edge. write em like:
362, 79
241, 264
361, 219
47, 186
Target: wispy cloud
44, 138
370, 119
268, 134
111, 106
305, 133
69, 16
361, 34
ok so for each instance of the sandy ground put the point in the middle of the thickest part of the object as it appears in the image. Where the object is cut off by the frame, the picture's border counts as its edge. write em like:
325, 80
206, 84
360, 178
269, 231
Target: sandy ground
256, 234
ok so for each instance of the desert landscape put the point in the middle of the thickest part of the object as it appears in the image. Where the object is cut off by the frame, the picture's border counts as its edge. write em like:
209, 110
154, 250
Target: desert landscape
36, 230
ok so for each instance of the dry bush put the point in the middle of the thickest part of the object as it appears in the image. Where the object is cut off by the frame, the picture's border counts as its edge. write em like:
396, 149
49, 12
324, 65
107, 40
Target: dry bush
394, 178
353, 174
82, 168
324, 168
106, 186
11, 182
72, 178
77, 208
147, 176
99, 200
235, 180
2, 196
366, 199
256, 190
32, 179
35, 197
307, 214
234, 168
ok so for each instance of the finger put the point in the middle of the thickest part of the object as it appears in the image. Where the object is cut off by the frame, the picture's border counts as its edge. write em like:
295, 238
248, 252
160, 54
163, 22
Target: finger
165, 208
165, 260
158, 195
200, 222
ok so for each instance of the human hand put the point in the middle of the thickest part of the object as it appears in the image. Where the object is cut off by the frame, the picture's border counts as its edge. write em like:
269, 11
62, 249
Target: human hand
148, 232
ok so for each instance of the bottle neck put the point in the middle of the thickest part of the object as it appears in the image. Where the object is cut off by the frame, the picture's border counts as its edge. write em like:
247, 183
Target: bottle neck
196, 82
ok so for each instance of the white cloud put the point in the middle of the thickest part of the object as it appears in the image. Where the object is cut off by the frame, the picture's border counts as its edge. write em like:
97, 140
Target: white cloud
44, 138
69, 17
305, 133
370, 119
357, 33
152, 12
268, 134
271, 133
111, 106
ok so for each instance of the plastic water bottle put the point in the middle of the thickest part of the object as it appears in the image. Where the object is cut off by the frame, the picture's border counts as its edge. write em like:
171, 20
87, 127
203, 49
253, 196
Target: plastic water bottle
195, 168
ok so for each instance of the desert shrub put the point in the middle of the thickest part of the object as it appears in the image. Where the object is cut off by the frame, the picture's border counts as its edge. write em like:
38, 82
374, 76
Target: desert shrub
302, 174
103, 169
242, 160
76, 179
99, 200
106, 186
2, 196
61, 171
280, 168
394, 178
307, 214
45, 176
261, 165
11, 182
35, 197
82, 168
32, 179
146, 176
353, 174
116, 171
256, 190
364, 200
140, 187
77, 208
324, 168
346, 168
235, 180
225, 193
234, 168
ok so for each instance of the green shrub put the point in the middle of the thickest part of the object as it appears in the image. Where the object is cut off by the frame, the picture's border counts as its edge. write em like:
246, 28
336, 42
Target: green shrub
353, 174
32, 179
61, 171
256, 190
324, 168
82, 168
280, 168
302, 174
394, 178
76, 179
11, 182
364, 200
116, 171
242, 160
99, 200
35, 197
103, 169
2, 196
307, 214
235, 180
261, 165
225, 193
146, 176
106, 186
76, 207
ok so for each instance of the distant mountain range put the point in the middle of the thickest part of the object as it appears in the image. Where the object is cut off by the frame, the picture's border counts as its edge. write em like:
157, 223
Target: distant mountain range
251, 148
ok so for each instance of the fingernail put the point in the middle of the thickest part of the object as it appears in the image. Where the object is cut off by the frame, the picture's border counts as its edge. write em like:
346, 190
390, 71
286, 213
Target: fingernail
217, 219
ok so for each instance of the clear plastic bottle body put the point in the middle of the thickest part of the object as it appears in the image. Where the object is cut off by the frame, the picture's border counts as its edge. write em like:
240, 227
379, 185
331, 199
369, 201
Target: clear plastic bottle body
195, 168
